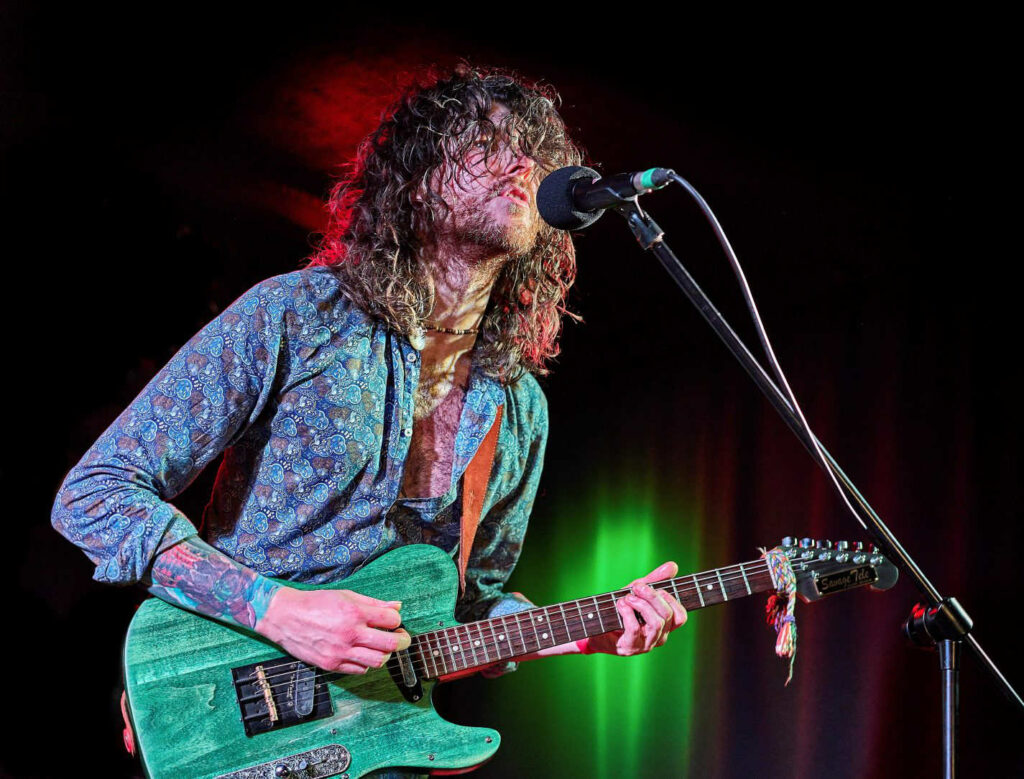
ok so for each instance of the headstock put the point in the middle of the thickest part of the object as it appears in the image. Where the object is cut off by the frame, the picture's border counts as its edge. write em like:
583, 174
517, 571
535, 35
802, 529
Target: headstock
823, 568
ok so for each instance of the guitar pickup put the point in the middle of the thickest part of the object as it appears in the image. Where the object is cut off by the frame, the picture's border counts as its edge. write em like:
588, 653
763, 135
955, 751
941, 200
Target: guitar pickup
280, 692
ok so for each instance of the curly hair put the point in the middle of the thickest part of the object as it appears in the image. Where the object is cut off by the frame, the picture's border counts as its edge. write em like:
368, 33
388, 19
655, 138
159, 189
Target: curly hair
382, 213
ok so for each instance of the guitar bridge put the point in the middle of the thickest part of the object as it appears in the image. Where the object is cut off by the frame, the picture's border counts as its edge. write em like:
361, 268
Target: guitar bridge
279, 693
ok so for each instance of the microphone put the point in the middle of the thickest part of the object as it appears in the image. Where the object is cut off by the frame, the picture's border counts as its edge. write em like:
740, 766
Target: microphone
574, 197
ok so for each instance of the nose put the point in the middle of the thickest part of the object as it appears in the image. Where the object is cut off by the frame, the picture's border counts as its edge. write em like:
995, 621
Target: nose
519, 164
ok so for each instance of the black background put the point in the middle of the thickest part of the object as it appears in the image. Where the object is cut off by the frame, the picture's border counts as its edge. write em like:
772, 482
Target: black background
864, 166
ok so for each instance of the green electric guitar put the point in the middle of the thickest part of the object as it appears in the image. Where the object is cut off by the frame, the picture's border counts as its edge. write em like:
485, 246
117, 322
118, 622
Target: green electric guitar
208, 700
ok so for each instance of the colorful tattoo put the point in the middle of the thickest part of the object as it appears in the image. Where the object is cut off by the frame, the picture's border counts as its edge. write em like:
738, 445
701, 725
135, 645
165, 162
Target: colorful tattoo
198, 577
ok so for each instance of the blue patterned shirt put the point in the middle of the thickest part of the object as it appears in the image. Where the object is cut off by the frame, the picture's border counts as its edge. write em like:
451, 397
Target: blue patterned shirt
311, 401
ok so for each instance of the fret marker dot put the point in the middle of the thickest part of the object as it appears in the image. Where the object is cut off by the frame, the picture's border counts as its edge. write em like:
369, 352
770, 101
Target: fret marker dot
501, 637
709, 586
590, 616
476, 643
540, 619
543, 635
437, 651
455, 649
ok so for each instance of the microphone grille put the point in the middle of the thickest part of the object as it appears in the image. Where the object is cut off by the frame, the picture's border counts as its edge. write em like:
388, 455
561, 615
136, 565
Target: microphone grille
554, 198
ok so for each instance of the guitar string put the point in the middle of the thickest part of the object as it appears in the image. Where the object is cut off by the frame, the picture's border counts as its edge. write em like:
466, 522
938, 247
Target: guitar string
416, 656
603, 605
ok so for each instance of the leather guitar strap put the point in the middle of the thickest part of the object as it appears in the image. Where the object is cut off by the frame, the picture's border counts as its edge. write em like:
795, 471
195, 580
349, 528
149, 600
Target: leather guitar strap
474, 488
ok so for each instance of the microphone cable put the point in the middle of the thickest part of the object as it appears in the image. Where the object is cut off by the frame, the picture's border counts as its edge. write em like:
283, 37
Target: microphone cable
762, 335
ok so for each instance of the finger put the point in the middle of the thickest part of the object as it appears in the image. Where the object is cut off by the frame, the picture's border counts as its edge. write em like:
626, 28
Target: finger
678, 616
366, 600
648, 593
679, 613
654, 623
664, 571
348, 668
405, 640
369, 658
381, 618
631, 635
382, 640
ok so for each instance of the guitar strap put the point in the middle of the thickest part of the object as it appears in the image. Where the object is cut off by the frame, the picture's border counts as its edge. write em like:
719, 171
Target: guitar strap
474, 488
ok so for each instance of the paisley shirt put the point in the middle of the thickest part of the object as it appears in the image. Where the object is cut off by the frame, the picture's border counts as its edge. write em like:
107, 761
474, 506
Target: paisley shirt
311, 401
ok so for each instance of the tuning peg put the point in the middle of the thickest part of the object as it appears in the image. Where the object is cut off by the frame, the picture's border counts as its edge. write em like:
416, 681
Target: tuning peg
826, 544
842, 546
806, 543
872, 549
789, 541
858, 546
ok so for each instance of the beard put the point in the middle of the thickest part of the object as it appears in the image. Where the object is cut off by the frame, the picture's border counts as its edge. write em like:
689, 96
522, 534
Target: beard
515, 235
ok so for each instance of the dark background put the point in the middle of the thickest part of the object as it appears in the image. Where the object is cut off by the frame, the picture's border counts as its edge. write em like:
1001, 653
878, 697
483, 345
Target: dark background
155, 165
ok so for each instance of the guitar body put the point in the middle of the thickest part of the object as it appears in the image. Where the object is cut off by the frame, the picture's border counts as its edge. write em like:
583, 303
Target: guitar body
185, 709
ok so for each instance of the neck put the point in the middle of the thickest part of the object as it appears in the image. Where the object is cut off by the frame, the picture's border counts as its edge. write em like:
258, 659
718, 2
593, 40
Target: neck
463, 277
450, 650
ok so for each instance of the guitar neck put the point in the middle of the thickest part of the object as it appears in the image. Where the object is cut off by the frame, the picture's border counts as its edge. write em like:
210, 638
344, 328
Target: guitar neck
476, 644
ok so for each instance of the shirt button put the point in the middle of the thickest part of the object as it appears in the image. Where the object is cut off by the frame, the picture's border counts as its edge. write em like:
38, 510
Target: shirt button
411, 357
407, 431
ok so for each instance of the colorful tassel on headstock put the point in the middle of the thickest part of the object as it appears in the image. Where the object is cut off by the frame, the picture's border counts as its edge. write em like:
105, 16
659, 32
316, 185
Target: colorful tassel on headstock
781, 605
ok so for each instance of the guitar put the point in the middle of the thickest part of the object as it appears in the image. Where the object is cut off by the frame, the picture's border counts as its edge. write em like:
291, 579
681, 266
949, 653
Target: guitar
210, 700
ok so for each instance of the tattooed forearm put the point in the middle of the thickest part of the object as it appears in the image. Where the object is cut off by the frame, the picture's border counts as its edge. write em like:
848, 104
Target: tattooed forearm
198, 577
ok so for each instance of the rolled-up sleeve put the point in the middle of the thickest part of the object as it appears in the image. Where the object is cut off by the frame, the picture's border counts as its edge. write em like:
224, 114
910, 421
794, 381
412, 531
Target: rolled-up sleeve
113, 503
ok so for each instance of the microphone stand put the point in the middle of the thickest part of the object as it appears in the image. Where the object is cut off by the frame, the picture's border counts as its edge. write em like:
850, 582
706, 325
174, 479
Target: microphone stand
939, 621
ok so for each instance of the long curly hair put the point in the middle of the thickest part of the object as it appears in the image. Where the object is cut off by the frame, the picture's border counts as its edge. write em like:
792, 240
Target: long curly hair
382, 213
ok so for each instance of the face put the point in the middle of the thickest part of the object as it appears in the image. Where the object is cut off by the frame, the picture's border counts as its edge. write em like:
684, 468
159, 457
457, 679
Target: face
493, 193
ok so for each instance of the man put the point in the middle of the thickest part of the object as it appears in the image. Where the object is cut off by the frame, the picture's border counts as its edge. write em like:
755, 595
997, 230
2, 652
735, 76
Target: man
350, 398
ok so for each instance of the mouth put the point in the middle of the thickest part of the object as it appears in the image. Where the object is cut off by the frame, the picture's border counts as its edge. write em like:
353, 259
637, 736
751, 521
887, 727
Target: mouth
515, 194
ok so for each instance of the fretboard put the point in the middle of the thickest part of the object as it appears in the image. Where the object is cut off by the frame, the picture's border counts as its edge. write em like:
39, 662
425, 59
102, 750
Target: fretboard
463, 647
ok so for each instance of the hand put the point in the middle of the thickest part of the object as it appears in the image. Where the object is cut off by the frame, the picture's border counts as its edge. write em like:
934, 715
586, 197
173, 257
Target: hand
661, 613
337, 630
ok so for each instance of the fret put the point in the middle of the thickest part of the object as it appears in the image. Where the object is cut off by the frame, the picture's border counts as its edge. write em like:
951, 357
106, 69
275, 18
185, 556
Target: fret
453, 651
508, 638
519, 627
427, 652
438, 652
472, 648
497, 641
415, 653
675, 589
583, 622
743, 573
424, 648
568, 632
536, 634
597, 611
696, 585
481, 641
718, 573
544, 620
